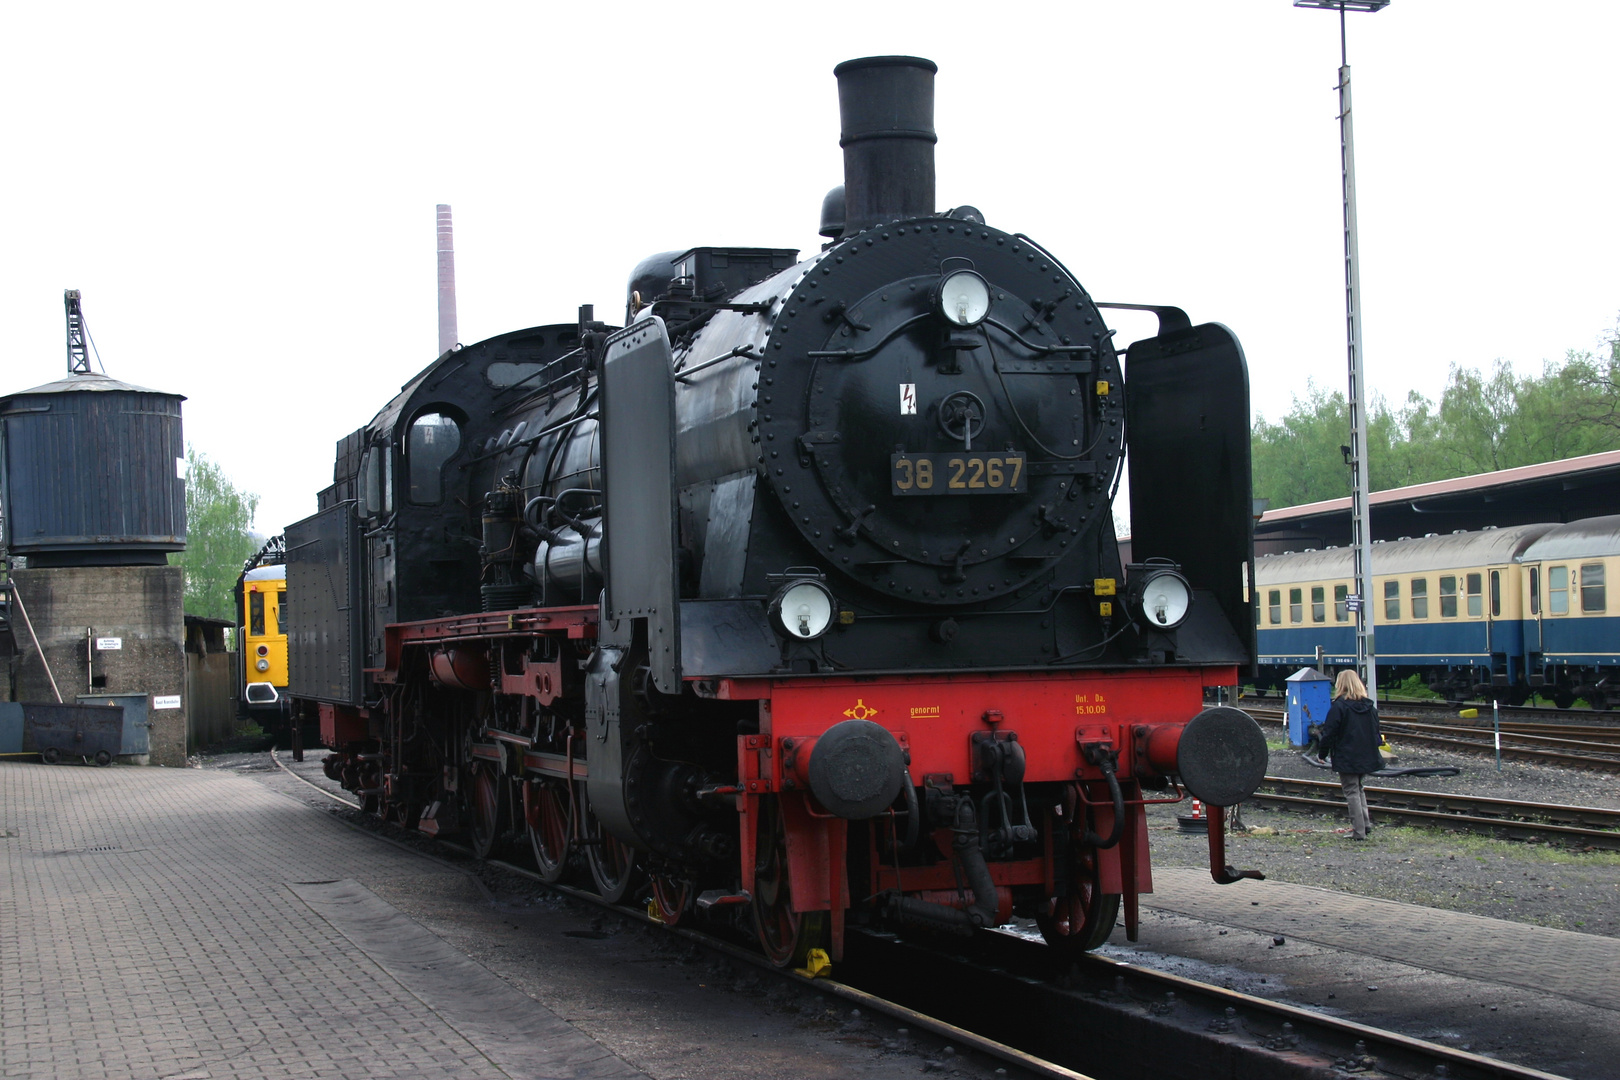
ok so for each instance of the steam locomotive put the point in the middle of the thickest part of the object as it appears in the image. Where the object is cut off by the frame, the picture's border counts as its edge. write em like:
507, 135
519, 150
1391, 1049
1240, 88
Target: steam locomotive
796, 599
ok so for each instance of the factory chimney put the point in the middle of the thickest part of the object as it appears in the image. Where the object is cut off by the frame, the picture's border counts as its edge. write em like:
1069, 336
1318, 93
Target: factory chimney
447, 282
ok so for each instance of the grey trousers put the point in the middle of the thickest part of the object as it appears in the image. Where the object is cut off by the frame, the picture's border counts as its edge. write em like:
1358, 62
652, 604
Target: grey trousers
1355, 797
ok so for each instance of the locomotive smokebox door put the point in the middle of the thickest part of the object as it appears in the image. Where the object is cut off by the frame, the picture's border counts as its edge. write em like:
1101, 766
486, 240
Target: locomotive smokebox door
639, 538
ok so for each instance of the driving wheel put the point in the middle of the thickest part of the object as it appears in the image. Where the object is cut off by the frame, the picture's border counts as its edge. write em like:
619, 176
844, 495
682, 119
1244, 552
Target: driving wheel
787, 936
549, 810
485, 805
670, 897
1082, 916
612, 861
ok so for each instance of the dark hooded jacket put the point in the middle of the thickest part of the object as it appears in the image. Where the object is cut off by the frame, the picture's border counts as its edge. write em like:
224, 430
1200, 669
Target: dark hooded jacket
1350, 735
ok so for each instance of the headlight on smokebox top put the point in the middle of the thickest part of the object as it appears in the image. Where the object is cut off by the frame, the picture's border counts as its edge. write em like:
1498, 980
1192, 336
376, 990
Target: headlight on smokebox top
1165, 597
803, 610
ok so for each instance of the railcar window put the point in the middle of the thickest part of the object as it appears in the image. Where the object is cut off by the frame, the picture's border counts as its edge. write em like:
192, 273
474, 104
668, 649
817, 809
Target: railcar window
1318, 604
433, 441
1274, 601
1558, 590
256, 613
1496, 594
1392, 601
1535, 590
1592, 591
1296, 606
1420, 598
1341, 604
281, 611
1448, 596
1476, 601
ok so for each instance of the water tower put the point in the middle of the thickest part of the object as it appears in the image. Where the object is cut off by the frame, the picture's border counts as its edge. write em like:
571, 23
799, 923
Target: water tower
92, 489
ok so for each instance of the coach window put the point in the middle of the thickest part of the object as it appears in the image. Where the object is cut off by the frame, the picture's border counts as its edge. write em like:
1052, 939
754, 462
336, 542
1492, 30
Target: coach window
1592, 598
1318, 604
433, 441
256, 613
1448, 596
1392, 601
1274, 601
1535, 590
1496, 594
1296, 606
1420, 598
1558, 590
1341, 604
1476, 601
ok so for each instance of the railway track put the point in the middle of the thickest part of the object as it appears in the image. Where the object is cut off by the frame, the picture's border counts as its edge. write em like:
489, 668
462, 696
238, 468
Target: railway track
1584, 750
1516, 714
1585, 826
1094, 1020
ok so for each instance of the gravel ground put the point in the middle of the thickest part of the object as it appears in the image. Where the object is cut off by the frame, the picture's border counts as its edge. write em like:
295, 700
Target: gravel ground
1538, 883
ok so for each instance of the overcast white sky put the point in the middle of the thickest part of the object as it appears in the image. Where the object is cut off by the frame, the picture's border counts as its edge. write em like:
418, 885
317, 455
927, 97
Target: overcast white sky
245, 193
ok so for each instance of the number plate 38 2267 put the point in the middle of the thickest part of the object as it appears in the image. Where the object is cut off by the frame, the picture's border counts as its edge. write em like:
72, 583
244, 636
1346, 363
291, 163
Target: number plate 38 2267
990, 473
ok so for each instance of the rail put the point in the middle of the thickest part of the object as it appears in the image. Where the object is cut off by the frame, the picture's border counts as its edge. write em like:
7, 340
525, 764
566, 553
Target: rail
1085, 1007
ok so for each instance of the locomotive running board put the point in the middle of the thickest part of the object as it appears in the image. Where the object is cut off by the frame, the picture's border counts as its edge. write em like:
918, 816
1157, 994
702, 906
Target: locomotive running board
639, 533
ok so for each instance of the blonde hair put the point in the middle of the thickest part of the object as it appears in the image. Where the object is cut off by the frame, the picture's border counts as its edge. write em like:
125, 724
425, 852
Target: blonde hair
1349, 685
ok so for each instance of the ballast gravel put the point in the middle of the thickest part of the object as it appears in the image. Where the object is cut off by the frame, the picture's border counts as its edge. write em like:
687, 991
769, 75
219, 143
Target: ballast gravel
1533, 882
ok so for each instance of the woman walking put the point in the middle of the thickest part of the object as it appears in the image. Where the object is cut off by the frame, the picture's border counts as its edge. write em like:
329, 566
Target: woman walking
1350, 737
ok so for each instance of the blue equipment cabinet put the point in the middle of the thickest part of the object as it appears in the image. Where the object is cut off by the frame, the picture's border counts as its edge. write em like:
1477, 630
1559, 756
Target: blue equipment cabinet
1309, 694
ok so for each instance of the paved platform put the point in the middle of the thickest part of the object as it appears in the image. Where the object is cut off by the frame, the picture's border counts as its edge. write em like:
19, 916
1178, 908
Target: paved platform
1579, 967
153, 925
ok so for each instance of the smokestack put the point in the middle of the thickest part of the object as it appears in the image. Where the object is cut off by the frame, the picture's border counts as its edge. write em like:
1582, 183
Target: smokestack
886, 109
447, 282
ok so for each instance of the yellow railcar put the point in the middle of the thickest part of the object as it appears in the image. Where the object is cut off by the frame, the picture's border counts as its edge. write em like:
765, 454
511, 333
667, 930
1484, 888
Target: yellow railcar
264, 646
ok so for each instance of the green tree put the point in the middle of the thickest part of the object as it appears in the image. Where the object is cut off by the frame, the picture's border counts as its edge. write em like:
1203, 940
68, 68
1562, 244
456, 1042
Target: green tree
218, 537
1484, 421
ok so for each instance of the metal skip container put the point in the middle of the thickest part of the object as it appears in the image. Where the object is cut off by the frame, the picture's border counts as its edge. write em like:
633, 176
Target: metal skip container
62, 732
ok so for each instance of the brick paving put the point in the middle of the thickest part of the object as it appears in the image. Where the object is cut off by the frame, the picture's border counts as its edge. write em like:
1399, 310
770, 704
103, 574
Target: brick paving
149, 928
1580, 967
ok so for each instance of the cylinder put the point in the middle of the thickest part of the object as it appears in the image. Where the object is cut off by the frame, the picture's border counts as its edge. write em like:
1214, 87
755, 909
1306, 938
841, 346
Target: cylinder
886, 113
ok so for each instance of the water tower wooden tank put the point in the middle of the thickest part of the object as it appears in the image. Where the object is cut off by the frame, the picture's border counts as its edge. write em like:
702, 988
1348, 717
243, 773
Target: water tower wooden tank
92, 473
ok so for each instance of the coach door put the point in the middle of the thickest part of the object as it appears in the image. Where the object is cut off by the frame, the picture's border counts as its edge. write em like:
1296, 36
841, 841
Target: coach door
1532, 617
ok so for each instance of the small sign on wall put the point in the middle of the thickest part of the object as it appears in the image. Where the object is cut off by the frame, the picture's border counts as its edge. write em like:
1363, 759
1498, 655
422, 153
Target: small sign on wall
109, 644
165, 701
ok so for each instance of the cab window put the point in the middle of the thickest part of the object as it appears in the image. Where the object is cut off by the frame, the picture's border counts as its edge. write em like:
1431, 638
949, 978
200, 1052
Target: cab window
256, 613
1558, 590
1448, 596
1420, 598
1592, 590
281, 611
433, 440
377, 482
1476, 601
1318, 605
1341, 604
1392, 601
1296, 606
1274, 601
